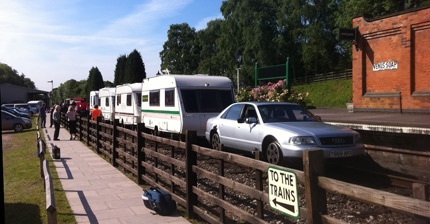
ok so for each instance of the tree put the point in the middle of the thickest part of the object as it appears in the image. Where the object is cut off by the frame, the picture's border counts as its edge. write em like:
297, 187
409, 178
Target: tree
210, 61
120, 70
94, 81
247, 37
11, 76
134, 69
180, 52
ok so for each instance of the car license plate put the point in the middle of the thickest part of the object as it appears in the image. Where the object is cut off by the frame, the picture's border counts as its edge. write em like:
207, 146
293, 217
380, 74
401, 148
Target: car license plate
340, 153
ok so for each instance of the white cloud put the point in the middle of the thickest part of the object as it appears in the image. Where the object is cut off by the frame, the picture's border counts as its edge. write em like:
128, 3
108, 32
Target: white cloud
41, 38
203, 23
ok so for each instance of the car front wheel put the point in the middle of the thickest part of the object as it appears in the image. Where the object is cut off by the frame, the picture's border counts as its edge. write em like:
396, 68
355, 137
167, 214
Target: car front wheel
216, 142
274, 153
18, 128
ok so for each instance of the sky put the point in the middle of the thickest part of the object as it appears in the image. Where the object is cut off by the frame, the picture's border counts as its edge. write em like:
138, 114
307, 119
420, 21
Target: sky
61, 40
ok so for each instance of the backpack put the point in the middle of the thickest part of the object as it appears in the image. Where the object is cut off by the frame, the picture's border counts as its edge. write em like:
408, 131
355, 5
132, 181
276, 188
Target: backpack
159, 201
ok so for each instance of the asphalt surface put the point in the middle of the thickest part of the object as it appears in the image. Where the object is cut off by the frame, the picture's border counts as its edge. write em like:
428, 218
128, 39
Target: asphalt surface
373, 118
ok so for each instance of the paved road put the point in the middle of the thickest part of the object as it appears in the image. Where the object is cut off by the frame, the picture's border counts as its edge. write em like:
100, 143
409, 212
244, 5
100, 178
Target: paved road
97, 192
374, 118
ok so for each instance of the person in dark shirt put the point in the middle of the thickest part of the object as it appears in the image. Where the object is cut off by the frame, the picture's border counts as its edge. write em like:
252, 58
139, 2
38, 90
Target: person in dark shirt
42, 115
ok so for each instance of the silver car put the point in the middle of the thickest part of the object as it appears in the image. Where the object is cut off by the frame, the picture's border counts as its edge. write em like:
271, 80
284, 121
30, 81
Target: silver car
12, 122
279, 130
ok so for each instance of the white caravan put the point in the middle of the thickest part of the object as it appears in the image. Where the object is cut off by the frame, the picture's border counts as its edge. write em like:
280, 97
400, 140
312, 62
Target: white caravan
177, 103
107, 103
128, 102
94, 99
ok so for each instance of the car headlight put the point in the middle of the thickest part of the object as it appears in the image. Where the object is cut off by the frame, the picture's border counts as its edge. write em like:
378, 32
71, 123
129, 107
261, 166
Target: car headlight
302, 140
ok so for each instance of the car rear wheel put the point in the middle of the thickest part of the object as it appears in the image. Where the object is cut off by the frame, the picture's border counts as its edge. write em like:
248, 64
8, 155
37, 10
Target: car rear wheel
216, 142
18, 128
274, 153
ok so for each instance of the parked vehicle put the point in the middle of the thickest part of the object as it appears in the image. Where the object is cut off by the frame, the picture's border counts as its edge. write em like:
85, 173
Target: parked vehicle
94, 99
128, 103
35, 105
7, 105
12, 122
16, 112
107, 103
280, 131
177, 103
24, 108
81, 105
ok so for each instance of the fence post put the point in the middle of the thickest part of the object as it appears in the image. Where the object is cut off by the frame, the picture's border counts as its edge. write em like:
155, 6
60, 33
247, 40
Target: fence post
80, 128
41, 155
115, 143
221, 191
98, 135
316, 201
191, 181
140, 144
172, 166
419, 192
259, 186
88, 130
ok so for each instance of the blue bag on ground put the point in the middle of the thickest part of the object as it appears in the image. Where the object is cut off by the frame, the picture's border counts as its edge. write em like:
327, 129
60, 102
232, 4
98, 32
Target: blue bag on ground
159, 201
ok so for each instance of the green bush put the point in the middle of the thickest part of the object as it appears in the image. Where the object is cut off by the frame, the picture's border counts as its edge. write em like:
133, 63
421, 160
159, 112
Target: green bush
273, 92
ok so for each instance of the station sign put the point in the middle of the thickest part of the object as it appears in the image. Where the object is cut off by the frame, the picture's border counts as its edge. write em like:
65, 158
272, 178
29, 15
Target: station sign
283, 195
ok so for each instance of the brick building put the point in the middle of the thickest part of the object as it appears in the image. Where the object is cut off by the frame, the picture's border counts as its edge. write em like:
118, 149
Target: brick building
391, 64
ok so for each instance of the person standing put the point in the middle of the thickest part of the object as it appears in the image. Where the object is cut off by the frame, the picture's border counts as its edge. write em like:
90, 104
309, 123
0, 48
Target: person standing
52, 115
57, 121
42, 115
71, 117
96, 113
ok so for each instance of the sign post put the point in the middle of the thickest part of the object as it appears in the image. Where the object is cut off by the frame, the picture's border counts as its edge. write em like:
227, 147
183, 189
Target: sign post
283, 195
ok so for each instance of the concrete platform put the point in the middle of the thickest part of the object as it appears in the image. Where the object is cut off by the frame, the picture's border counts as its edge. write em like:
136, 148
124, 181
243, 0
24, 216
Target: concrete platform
97, 192
409, 123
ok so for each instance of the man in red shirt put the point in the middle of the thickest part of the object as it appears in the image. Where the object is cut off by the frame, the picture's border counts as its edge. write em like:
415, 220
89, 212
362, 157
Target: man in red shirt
96, 113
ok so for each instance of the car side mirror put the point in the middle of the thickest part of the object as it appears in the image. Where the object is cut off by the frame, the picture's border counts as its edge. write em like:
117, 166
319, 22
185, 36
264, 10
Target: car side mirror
251, 120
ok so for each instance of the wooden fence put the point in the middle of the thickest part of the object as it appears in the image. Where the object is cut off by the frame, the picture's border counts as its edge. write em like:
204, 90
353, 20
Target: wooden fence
323, 77
220, 186
45, 174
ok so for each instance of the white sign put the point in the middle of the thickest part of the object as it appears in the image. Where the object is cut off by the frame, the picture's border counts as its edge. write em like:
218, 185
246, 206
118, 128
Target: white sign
389, 65
283, 195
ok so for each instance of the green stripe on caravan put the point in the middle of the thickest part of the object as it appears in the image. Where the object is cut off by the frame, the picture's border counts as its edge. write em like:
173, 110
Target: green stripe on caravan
161, 111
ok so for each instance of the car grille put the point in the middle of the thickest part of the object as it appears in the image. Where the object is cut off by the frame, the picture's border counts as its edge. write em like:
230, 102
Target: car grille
349, 140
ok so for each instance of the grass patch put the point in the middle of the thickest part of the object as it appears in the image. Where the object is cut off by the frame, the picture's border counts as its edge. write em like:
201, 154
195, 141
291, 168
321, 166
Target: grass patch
330, 94
23, 186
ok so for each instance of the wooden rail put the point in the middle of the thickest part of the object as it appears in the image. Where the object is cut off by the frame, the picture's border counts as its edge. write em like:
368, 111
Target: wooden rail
51, 210
178, 168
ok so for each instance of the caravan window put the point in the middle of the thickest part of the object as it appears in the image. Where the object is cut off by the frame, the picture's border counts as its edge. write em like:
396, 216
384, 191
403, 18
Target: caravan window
118, 100
106, 101
206, 100
154, 98
139, 99
169, 97
128, 99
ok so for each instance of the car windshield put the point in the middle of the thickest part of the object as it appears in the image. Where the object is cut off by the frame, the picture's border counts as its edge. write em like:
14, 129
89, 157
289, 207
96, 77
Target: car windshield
283, 113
